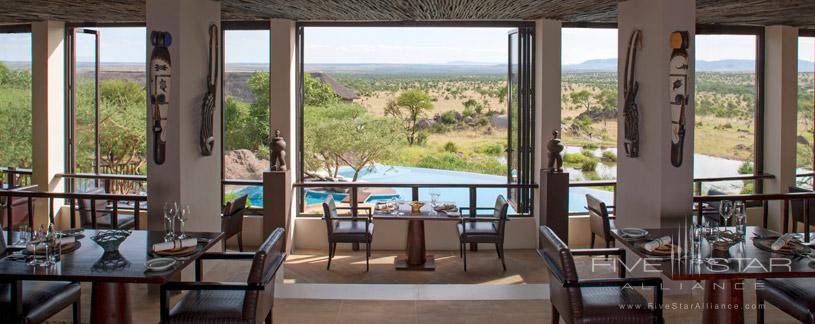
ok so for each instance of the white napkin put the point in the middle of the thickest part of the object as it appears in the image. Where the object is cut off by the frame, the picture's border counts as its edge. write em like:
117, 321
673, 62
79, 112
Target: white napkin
782, 241
655, 244
175, 244
62, 241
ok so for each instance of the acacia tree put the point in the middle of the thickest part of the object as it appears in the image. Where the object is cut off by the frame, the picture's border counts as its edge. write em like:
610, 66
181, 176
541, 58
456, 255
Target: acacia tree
581, 98
408, 108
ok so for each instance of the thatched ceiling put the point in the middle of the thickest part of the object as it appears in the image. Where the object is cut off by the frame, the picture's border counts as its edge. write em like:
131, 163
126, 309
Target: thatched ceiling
738, 12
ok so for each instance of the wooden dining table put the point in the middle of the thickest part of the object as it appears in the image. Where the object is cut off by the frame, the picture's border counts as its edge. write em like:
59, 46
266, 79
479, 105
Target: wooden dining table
109, 273
724, 280
416, 257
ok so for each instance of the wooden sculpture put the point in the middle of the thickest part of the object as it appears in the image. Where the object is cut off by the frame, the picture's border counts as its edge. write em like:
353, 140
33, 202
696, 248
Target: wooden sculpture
555, 161
631, 113
678, 93
160, 82
207, 138
278, 161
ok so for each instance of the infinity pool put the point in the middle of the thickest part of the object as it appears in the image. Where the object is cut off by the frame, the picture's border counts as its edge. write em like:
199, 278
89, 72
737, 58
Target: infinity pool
397, 174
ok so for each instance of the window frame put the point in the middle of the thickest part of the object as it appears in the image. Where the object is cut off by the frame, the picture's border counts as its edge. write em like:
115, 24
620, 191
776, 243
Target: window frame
20, 29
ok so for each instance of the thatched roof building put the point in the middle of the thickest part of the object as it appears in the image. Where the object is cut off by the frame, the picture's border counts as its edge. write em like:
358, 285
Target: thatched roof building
342, 91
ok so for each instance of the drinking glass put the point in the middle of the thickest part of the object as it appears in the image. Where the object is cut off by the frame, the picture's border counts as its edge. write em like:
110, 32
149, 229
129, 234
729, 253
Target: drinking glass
740, 211
183, 215
32, 244
726, 210
23, 235
170, 209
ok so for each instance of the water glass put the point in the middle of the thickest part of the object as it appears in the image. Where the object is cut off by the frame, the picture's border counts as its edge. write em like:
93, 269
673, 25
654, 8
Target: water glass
170, 210
698, 232
23, 235
183, 215
740, 211
726, 211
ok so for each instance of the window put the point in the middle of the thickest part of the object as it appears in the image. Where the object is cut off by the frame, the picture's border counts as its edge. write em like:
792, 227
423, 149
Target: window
107, 103
245, 111
416, 105
15, 96
806, 120
589, 111
726, 105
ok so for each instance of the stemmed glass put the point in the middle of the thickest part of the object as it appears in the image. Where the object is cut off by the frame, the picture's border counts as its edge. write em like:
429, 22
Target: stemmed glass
170, 210
739, 209
434, 200
23, 235
726, 210
183, 215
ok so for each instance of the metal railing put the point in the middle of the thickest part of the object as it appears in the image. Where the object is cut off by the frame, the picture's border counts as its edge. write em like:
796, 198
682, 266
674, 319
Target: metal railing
113, 183
72, 198
414, 188
14, 177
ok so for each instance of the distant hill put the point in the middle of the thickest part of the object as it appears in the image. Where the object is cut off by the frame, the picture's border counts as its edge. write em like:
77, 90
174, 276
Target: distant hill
610, 65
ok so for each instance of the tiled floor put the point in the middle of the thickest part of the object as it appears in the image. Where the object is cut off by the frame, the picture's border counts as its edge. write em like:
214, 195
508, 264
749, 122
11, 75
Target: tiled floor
485, 269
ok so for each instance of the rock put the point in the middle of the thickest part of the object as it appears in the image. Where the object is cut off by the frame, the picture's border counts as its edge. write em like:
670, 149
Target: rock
499, 121
243, 164
425, 123
469, 120
802, 140
458, 115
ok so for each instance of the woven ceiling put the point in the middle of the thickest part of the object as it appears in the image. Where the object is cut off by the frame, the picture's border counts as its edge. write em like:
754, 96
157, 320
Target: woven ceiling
736, 12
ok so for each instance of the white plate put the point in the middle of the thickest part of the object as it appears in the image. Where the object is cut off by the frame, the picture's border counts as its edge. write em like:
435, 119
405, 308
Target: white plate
159, 264
633, 232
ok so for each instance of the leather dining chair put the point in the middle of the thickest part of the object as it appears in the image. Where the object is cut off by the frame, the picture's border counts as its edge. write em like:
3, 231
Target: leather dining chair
594, 300
38, 300
599, 220
20, 208
229, 302
102, 212
346, 230
797, 210
481, 229
795, 297
232, 220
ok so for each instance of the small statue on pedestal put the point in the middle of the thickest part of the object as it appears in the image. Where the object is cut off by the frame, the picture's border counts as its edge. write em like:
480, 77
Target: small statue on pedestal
278, 162
554, 147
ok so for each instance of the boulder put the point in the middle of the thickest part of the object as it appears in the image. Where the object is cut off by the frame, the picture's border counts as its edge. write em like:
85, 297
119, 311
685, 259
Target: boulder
499, 121
244, 164
425, 123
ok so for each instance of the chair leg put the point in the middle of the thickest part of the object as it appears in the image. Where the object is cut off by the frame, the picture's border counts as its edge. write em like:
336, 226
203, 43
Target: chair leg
269, 317
223, 246
555, 315
497, 250
759, 310
331, 247
500, 249
77, 312
592, 240
464, 253
460, 249
367, 256
240, 242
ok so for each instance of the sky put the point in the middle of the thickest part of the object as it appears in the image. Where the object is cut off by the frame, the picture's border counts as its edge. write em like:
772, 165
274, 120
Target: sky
410, 45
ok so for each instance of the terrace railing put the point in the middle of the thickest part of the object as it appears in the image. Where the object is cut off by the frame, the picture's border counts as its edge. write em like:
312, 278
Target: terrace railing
11, 177
113, 183
72, 199
414, 188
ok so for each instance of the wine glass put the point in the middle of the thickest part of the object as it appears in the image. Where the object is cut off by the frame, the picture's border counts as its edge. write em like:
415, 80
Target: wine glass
183, 215
726, 211
170, 209
740, 210
22, 236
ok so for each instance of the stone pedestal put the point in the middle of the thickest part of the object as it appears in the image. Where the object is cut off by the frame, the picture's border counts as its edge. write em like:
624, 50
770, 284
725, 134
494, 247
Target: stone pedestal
278, 205
554, 203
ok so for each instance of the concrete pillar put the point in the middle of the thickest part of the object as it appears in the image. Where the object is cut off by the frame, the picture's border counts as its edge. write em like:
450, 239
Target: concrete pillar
186, 176
651, 192
48, 109
547, 94
282, 116
780, 106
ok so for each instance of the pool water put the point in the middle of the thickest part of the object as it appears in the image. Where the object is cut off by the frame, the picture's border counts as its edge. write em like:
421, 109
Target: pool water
460, 196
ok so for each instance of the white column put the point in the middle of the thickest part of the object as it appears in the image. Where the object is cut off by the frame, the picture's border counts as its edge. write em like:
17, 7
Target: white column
547, 94
780, 106
186, 176
282, 116
48, 109
650, 191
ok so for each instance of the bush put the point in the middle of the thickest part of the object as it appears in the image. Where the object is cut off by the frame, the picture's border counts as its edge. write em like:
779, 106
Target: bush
449, 117
587, 153
483, 121
421, 138
468, 112
574, 158
609, 156
589, 146
493, 149
439, 128
746, 167
588, 165
450, 147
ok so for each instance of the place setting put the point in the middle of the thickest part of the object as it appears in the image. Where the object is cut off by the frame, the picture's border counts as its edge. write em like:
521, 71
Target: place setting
177, 244
44, 247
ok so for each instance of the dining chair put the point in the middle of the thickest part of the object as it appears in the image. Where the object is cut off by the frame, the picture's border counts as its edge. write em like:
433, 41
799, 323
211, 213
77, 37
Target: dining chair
600, 221
21, 208
229, 302
481, 229
343, 229
797, 210
88, 208
795, 297
36, 301
594, 300
232, 220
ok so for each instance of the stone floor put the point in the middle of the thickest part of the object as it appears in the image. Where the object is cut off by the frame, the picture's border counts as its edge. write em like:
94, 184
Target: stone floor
348, 268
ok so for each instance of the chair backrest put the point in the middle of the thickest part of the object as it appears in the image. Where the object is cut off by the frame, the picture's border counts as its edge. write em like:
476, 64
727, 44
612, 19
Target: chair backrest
797, 206
330, 213
559, 261
232, 222
268, 259
598, 217
500, 213
85, 206
3, 239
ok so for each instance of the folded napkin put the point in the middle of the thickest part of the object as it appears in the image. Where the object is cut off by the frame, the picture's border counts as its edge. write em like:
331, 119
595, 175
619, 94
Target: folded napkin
63, 241
782, 241
655, 244
175, 244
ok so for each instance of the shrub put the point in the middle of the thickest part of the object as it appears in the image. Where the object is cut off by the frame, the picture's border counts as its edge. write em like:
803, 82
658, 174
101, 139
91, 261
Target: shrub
483, 121
450, 147
587, 153
588, 165
589, 146
573, 158
421, 138
609, 156
746, 167
468, 112
493, 149
449, 117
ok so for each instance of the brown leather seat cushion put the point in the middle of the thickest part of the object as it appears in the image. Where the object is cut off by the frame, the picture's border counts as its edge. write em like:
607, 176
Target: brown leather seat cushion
349, 231
209, 306
794, 296
603, 305
41, 299
479, 232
